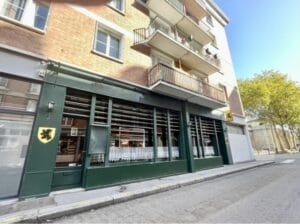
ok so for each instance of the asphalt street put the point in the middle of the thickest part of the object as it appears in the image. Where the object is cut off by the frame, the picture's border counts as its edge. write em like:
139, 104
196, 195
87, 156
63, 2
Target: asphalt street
265, 194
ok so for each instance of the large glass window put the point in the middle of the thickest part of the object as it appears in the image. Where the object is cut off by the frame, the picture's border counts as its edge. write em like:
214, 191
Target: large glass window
205, 134
175, 134
71, 143
32, 13
15, 132
162, 135
131, 133
16, 119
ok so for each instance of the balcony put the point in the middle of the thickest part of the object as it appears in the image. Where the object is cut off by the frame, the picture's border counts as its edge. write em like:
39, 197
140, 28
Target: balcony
186, 15
176, 43
170, 10
178, 84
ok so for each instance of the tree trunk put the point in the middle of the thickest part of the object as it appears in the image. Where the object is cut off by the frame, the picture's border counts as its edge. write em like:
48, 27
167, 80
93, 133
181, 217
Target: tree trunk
279, 139
277, 147
286, 137
294, 137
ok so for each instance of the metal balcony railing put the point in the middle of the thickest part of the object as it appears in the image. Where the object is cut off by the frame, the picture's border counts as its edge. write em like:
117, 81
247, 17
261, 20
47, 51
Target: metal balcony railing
142, 34
161, 72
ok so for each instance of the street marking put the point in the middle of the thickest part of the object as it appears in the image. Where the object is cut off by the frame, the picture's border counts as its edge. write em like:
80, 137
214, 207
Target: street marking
287, 161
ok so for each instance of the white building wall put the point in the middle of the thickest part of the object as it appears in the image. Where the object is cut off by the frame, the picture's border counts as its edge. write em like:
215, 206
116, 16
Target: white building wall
241, 148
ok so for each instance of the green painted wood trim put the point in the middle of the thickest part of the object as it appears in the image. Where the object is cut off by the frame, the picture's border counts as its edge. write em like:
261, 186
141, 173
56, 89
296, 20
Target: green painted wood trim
40, 162
197, 136
169, 136
188, 138
201, 136
208, 163
108, 176
96, 84
203, 111
154, 135
217, 139
109, 117
87, 155
227, 145
182, 144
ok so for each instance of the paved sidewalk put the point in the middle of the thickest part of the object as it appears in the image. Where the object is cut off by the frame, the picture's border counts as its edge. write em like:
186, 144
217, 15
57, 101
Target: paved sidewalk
77, 200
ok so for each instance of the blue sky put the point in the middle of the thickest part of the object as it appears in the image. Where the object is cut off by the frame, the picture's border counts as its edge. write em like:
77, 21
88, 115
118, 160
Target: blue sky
264, 34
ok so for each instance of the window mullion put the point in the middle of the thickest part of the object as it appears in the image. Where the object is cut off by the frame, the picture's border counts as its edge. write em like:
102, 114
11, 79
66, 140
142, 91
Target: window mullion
108, 44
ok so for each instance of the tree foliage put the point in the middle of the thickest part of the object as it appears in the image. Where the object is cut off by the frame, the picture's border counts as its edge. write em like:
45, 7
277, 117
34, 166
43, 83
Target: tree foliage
272, 98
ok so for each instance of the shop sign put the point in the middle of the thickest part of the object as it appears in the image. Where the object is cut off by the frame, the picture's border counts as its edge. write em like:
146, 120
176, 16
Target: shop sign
228, 115
46, 134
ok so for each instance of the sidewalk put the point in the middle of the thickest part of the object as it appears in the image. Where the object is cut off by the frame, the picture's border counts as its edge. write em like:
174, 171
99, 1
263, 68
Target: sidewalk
68, 202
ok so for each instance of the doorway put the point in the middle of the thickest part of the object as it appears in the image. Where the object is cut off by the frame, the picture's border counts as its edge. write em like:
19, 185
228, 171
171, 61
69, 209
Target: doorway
71, 149
70, 153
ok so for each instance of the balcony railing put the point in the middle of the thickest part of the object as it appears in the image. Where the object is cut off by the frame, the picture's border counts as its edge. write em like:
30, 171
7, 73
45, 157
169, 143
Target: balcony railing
161, 72
142, 34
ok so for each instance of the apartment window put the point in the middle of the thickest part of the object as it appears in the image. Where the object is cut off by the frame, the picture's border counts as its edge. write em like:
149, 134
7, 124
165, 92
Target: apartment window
118, 4
31, 13
41, 14
209, 20
108, 43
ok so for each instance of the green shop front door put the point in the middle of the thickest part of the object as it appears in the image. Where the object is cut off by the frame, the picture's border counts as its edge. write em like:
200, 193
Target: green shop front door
70, 153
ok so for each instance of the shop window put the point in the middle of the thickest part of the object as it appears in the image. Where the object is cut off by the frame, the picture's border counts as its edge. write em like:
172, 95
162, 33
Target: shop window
71, 143
205, 134
16, 96
31, 13
195, 145
175, 134
14, 139
162, 135
131, 133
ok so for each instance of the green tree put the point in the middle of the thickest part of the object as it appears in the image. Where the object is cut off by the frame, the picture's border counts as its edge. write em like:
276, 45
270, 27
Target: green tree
274, 99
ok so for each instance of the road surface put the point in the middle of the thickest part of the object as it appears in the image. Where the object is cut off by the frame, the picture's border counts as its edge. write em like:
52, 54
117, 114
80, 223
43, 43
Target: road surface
266, 194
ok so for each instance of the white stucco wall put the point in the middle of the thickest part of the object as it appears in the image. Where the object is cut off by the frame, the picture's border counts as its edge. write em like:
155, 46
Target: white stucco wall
240, 149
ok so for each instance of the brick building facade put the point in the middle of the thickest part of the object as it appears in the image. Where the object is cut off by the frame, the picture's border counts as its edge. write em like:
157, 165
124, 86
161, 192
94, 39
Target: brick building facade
128, 89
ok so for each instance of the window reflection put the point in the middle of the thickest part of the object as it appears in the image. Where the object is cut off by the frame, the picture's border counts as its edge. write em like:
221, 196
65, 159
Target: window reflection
18, 95
15, 132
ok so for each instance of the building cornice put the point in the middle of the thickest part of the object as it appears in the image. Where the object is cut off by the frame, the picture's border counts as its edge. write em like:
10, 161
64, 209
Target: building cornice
218, 10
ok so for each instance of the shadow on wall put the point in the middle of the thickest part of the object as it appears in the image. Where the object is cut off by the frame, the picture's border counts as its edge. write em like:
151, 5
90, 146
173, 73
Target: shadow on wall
235, 103
22, 37
135, 73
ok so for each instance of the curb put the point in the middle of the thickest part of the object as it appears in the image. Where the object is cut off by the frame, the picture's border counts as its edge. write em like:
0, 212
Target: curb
46, 213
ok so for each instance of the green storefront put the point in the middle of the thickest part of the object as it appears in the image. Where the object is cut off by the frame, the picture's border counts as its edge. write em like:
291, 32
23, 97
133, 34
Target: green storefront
93, 132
